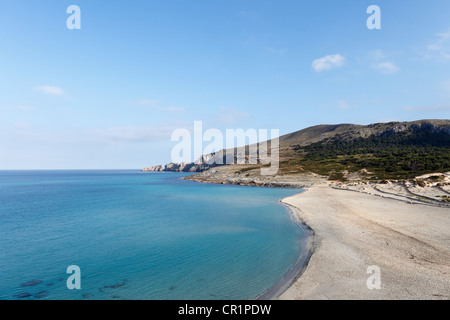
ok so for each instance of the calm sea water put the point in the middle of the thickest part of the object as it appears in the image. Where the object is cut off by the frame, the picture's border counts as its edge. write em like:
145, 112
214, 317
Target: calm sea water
140, 236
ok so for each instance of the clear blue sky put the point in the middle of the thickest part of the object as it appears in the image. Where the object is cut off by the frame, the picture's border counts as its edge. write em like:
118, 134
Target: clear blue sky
110, 95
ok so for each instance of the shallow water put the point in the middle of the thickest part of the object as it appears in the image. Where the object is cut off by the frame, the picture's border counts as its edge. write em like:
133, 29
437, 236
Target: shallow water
140, 236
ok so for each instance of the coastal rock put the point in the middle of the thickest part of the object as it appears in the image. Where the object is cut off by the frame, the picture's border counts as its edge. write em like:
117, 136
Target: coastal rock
153, 169
232, 175
202, 164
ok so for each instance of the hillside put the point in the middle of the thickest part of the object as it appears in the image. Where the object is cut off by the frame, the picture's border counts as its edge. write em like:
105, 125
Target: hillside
352, 131
395, 150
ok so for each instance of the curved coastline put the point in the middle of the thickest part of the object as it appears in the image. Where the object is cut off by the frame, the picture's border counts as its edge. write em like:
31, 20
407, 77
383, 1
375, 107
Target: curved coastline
307, 246
352, 231
356, 231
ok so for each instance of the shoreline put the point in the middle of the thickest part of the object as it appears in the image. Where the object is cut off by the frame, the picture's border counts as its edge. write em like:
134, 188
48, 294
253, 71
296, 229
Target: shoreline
372, 225
307, 248
353, 231
307, 243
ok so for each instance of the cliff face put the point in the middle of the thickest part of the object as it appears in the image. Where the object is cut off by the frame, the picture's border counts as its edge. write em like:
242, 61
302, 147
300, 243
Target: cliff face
170, 167
153, 169
179, 167
204, 163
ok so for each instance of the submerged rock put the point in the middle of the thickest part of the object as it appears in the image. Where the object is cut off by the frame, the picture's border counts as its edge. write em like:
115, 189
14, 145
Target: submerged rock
114, 286
41, 294
23, 295
31, 283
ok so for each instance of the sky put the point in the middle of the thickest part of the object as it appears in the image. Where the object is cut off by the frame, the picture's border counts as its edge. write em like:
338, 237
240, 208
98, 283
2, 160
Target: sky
109, 95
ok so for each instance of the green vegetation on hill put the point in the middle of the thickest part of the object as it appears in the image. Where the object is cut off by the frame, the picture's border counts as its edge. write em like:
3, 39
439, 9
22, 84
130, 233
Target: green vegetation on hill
394, 150
390, 155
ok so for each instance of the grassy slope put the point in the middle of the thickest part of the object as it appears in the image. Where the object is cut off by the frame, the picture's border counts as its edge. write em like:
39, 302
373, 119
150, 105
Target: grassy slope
379, 151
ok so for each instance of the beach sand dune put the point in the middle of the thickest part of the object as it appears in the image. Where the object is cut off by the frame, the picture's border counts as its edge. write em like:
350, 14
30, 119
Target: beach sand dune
410, 243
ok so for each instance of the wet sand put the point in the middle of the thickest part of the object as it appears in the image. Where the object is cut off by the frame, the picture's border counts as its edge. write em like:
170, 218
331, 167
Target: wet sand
306, 251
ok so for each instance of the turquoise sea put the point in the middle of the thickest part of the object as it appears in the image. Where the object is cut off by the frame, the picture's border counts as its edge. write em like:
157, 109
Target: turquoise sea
140, 236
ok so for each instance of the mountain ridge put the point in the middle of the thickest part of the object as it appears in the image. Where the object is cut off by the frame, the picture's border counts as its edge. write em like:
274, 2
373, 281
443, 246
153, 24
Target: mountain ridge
320, 132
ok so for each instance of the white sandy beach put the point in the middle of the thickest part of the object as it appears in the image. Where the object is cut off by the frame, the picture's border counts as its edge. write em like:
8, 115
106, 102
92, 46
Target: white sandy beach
410, 243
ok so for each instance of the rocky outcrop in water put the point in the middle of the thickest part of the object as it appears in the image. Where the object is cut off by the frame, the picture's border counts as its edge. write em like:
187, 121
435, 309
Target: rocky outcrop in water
153, 169
180, 167
204, 163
